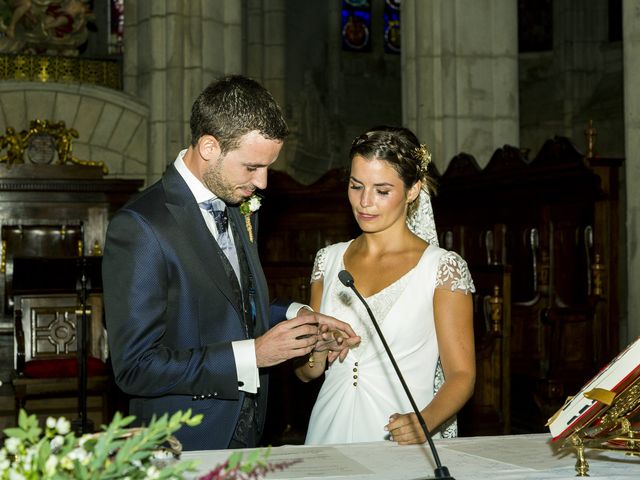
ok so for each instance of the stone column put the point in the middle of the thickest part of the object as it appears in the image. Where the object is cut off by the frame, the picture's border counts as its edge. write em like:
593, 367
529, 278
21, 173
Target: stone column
172, 50
265, 37
631, 57
460, 75
578, 33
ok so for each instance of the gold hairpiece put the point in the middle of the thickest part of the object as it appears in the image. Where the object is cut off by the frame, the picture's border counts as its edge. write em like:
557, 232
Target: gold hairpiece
424, 157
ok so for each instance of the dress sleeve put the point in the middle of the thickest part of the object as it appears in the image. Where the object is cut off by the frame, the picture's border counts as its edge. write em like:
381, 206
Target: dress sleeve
319, 265
453, 274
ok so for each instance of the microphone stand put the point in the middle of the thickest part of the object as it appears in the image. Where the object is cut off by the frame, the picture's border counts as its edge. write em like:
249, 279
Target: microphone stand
441, 471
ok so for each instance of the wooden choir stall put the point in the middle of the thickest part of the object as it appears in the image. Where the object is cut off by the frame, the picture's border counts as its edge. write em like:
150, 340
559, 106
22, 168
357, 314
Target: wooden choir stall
53, 217
541, 238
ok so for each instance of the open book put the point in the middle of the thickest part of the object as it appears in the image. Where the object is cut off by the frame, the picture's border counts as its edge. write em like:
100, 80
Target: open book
615, 377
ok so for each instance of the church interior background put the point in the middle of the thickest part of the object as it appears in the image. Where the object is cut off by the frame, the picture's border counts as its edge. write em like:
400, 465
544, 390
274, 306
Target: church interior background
114, 80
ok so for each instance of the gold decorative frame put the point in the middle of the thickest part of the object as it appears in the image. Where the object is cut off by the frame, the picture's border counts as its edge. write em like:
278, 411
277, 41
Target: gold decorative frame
611, 430
17, 143
47, 68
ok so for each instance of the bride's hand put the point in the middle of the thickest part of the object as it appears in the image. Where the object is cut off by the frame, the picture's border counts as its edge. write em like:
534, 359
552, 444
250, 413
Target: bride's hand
336, 342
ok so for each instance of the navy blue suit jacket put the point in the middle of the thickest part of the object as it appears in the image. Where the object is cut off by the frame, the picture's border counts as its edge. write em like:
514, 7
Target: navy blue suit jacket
171, 313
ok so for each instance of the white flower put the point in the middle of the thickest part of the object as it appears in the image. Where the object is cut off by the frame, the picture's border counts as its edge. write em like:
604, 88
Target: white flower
254, 203
51, 422
13, 475
57, 442
79, 454
63, 426
66, 463
12, 444
153, 472
28, 458
50, 465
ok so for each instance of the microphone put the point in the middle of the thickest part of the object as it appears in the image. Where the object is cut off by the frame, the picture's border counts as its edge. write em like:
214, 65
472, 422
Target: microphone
441, 471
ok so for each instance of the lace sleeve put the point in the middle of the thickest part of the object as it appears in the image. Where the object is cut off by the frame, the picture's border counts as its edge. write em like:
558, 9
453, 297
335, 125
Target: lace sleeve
453, 274
318, 265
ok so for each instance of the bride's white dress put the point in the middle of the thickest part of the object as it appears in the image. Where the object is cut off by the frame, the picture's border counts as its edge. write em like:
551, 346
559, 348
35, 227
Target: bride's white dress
359, 394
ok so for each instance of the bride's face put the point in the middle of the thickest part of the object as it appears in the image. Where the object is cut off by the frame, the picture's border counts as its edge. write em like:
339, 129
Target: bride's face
377, 194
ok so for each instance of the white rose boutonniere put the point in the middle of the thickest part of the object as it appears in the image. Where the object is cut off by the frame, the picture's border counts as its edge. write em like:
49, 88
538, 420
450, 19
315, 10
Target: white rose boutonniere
250, 205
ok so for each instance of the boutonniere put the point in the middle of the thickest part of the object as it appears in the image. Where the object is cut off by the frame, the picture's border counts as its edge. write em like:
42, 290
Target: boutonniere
250, 205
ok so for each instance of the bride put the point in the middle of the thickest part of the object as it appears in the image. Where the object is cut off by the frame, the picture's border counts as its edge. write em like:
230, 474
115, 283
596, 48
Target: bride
419, 293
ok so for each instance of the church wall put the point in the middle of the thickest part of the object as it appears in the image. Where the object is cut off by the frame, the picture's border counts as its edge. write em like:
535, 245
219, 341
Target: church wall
112, 126
333, 95
577, 80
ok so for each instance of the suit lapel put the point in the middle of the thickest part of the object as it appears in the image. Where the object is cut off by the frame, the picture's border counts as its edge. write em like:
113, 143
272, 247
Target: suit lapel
186, 213
251, 252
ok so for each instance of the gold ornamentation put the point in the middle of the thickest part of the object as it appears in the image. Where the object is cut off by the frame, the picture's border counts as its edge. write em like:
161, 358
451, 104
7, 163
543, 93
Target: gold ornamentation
311, 361
43, 138
3, 261
610, 430
96, 250
597, 270
42, 68
496, 310
15, 143
424, 156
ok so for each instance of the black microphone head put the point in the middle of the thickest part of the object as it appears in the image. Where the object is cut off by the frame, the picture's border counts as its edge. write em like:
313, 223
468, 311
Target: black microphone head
346, 278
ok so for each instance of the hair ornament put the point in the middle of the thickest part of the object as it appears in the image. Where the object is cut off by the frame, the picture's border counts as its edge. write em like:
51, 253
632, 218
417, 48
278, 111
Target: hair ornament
423, 155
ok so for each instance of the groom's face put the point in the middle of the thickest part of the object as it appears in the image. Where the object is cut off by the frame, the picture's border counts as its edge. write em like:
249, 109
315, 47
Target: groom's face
235, 176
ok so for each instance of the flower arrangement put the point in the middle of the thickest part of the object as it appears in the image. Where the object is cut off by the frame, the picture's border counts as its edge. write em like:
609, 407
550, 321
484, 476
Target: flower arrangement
30, 452
250, 205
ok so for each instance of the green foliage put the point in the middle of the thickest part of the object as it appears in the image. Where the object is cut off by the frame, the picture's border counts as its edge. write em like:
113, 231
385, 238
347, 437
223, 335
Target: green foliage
29, 452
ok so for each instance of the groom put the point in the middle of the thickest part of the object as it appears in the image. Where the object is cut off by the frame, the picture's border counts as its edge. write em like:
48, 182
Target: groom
186, 300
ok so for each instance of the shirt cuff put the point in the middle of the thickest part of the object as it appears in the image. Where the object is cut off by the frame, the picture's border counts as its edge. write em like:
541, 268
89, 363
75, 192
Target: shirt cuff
244, 352
292, 311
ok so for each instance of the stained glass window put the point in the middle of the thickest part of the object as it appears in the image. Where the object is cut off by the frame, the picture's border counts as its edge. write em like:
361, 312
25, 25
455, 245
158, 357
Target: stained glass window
356, 25
116, 17
392, 26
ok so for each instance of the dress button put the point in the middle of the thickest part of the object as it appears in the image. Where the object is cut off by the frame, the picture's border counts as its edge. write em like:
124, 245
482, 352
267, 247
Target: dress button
195, 397
356, 364
355, 369
209, 396
215, 394
355, 384
355, 377
202, 397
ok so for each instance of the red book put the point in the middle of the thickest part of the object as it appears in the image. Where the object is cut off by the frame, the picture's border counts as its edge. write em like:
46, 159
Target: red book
615, 377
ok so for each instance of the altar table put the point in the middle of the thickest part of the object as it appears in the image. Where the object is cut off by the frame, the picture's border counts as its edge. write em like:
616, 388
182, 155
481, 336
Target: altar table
516, 457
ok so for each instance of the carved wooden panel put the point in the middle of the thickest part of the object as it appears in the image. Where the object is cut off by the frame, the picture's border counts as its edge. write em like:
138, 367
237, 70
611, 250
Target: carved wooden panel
554, 220
488, 412
50, 323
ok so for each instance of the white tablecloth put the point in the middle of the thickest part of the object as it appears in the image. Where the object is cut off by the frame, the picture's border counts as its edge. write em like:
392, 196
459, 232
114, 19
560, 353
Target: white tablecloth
504, 457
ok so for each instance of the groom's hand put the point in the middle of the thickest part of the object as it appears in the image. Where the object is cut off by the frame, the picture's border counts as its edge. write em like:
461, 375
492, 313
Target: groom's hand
288, 339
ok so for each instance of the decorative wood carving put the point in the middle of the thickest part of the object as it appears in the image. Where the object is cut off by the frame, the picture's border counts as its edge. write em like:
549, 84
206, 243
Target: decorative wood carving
554, 220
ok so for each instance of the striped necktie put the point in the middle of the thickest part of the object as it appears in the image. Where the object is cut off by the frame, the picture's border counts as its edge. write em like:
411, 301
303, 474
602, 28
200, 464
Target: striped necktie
218, 210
